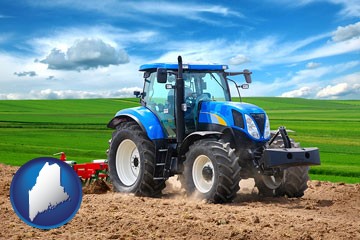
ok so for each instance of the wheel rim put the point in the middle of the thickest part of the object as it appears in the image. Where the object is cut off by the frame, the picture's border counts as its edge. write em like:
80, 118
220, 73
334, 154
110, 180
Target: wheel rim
203, 173
272, 182
127, 162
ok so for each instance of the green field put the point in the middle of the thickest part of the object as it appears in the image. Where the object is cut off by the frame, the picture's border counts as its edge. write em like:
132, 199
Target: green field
34, 128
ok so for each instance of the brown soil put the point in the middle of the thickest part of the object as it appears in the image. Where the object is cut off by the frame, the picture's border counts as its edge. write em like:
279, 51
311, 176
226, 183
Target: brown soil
327, 211
97, 187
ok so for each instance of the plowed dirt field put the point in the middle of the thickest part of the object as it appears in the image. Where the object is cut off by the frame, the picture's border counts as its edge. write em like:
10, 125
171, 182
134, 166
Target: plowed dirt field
327, 211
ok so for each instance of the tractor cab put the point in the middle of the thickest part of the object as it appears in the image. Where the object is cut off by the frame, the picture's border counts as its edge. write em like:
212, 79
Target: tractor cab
201, 83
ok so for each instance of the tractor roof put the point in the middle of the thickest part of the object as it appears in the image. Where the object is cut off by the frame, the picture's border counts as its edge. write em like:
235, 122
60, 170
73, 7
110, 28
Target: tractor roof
174, 66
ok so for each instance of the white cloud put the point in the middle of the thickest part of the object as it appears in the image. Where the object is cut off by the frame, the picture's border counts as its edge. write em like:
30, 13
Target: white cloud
328, 50
239, 59
193, 11
347, 32
333, 90
341, 89
302, 93
64, 38
86, 54
100, 80
350, 8
312, 65
312, 75
178, 9
307, 82
345, 87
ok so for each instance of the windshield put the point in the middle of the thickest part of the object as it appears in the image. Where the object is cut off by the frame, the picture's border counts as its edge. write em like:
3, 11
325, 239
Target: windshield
211, 84
198, 86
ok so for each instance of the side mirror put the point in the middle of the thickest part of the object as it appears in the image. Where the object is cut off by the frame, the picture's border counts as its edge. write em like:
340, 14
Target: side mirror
247, 75
137, 93
245, 86
161, 75
147, 74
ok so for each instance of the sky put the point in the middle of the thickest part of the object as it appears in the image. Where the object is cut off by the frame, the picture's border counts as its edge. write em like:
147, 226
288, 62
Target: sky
59, 49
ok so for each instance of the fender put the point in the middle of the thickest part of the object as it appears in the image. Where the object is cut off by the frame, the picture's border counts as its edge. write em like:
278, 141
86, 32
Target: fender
146, 119
191, 138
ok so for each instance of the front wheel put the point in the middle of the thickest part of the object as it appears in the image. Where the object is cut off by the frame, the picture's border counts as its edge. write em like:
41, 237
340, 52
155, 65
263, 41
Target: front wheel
211, 171
132, 162
267, 185
294, 182
291, 182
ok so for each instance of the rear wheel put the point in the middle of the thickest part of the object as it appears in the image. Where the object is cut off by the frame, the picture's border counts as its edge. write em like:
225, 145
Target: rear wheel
291, 182
211, 171
132, 162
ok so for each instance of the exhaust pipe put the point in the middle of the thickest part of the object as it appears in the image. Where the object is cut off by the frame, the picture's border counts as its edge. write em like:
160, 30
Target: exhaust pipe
179, 96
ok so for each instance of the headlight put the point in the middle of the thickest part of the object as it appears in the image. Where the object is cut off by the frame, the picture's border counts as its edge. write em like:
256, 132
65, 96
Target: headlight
267, 127
251, 127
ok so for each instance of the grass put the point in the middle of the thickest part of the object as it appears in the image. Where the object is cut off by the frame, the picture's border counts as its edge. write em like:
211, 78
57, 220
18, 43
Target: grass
34, 128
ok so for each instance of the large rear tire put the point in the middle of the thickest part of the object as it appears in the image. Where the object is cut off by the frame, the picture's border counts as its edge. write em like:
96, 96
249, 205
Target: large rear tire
132, 162
291, 182
211, 171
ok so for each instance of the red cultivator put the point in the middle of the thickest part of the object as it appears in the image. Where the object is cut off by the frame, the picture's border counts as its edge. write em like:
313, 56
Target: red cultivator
88, 172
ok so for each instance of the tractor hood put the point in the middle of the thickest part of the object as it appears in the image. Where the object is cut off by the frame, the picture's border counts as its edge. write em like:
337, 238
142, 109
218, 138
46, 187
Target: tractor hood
244, 117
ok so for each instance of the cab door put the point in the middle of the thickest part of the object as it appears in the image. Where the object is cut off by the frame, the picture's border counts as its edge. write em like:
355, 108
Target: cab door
160, 100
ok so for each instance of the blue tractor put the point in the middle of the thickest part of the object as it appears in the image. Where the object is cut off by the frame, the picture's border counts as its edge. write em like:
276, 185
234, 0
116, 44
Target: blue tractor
188, 126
